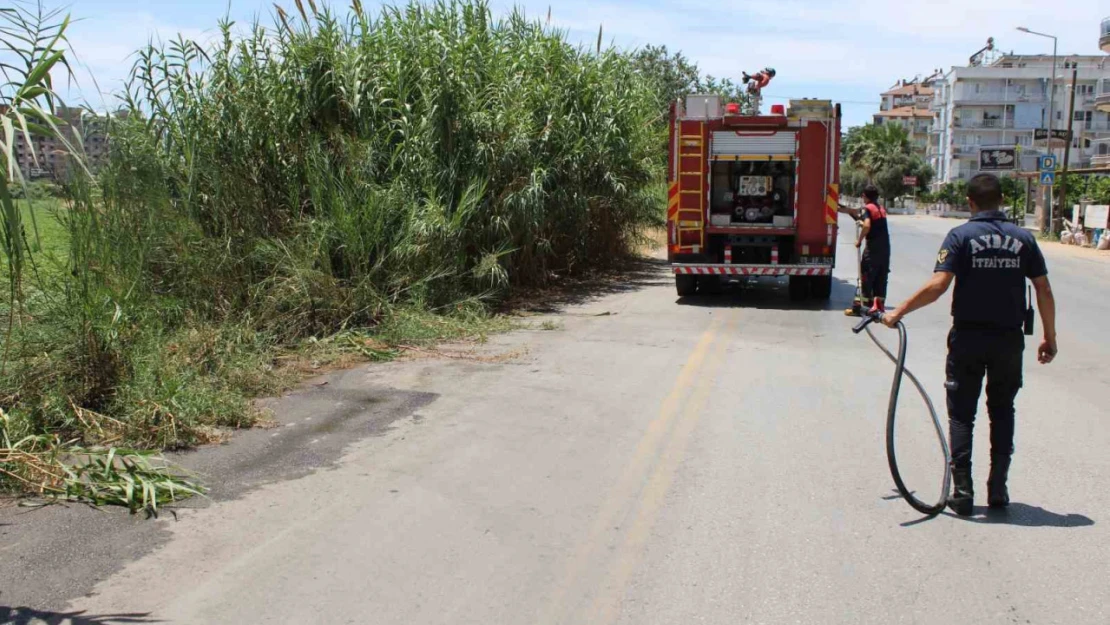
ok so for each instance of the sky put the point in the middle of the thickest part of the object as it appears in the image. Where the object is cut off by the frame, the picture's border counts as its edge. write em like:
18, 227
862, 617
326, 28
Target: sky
849, 52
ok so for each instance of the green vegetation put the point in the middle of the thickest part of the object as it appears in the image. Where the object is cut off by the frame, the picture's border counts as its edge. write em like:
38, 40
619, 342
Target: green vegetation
50, 248
673, 76
325, 189
1093, 187
33, 456
881, 155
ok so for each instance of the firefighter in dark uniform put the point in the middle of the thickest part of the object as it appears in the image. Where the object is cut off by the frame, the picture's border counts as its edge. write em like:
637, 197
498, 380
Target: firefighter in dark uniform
990, 259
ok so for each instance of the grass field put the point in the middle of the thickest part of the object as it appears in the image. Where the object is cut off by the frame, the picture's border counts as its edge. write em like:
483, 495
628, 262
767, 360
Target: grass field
50, 248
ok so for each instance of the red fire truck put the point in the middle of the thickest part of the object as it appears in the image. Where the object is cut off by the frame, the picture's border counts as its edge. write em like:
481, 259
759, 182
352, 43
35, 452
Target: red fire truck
753, 195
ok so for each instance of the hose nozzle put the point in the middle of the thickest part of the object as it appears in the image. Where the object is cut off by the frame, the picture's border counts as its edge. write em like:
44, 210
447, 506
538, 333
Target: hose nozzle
868, 319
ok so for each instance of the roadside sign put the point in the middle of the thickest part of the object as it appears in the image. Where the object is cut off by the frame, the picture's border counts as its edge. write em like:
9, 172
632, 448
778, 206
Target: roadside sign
1097, 216
1047, 163
1041, 134
997, 159
1048, 178
909, 181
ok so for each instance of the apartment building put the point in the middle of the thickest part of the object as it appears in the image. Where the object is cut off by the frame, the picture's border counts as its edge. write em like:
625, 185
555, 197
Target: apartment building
1002, 103
908, 104
1101, 157
47, 157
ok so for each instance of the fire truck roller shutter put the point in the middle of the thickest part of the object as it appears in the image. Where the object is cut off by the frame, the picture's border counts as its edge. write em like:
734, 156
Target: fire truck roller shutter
754, 143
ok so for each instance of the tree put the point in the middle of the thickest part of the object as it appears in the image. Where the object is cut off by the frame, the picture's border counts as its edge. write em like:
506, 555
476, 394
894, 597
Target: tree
1013, 192
890, 179
728, 90
852, 181
874, 148
673, 76
1098, 189
883, 155
923, 172
953, 193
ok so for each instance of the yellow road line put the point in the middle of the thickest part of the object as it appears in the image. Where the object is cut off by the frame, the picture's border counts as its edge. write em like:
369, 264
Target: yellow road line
610, 596
633, 475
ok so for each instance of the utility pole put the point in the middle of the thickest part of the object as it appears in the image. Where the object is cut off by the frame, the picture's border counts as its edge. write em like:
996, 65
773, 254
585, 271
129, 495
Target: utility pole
1051, 126
1051, 118
1058, 218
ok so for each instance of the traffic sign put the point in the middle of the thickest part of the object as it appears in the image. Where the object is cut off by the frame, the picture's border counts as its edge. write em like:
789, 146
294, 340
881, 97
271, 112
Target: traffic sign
909, 181
1047, 163
1048, 178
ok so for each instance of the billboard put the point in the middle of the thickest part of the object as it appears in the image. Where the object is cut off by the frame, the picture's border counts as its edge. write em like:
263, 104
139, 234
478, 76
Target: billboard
997, 159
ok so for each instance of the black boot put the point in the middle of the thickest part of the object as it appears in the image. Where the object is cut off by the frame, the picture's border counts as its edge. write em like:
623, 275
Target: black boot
998, 496
962, 500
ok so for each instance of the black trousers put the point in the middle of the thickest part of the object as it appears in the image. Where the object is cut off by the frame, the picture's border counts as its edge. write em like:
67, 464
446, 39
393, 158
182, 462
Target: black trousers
972, 354
876, 271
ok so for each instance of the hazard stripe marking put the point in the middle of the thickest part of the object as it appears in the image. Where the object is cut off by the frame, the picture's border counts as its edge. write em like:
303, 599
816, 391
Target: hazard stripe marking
750, 270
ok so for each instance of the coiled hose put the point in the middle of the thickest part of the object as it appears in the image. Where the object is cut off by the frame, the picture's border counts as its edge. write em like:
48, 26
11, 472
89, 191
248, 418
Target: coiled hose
896, 387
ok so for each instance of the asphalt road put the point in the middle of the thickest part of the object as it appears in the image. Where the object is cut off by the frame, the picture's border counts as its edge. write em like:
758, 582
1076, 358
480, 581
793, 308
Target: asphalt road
656, 461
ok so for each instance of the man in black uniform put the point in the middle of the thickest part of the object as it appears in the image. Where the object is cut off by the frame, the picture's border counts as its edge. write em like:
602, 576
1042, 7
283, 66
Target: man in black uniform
990, 259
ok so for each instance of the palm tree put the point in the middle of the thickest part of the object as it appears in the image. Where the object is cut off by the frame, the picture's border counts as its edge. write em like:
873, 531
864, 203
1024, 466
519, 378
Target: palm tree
873, 148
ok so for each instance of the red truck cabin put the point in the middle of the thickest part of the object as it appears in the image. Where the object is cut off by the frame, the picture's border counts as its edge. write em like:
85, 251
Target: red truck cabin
753, 195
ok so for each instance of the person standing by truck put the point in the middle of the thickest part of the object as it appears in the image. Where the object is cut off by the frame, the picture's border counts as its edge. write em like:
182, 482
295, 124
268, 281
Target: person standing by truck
990, 259
875, 267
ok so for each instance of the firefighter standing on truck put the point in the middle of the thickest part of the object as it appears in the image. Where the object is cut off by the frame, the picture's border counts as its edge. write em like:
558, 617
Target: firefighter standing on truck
990, 259
876, 257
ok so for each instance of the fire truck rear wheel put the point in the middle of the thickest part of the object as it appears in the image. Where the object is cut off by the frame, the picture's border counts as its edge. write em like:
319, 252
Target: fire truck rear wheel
799, 288
821, 287
686, 285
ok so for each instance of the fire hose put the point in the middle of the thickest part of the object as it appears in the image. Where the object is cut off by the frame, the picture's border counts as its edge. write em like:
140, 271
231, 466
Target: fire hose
896, 387
900, 370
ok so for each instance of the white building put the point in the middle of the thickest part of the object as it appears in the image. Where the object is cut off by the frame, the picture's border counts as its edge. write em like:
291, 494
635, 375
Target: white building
1102, 100
1000, 105
907, 104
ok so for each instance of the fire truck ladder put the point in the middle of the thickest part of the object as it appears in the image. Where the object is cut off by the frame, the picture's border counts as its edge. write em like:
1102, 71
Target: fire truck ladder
691, 219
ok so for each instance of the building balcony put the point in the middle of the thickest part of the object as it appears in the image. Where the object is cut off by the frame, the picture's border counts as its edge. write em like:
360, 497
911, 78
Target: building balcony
998, 98
1104, 37
1102, 100
965, 150
984, 124
1100, 152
